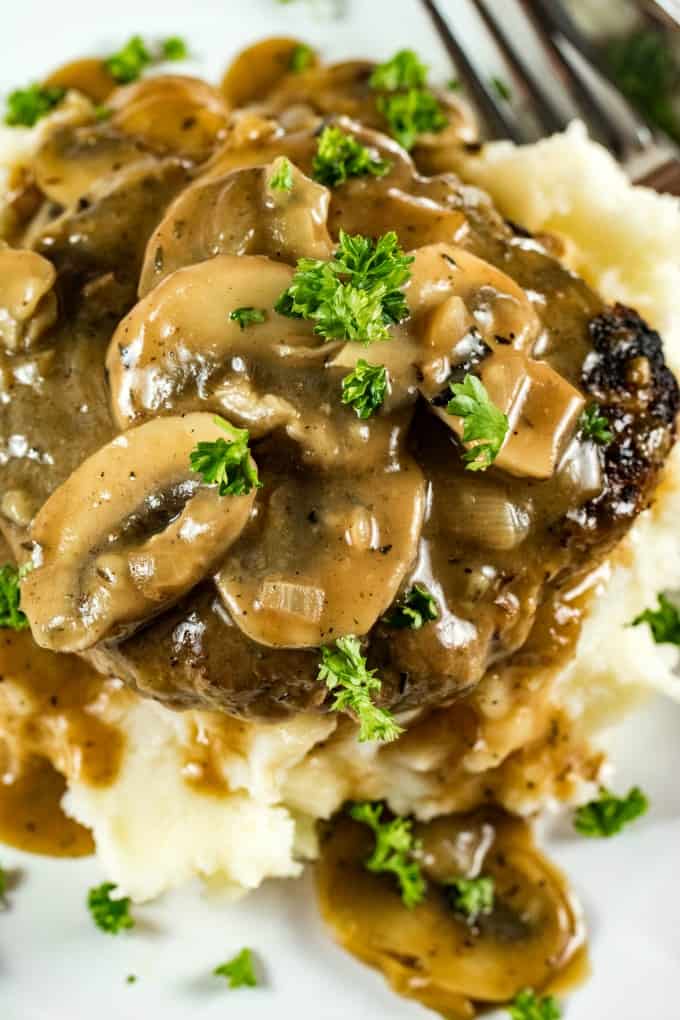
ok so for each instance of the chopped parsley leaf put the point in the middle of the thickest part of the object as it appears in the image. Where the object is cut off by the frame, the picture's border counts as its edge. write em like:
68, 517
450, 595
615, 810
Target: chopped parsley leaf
402, 71
131, 979
416, 608
356, 295
472, 897
364, 388
647, 71
102, 112
128, 63
484, 424
527, 1006
26, 106
409, 108
301, 58
410, 114
664, 622
226, 462
238, 971
607, 815
594, 426
340, 156
501, 88
11, 615
174, 48
247, 316
110, 915
395, 845
343, 670
282, 175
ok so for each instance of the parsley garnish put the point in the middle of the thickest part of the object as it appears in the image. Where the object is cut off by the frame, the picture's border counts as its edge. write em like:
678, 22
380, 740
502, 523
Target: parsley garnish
416, 608
607, 815
646, 70
300, 58
527, 1006
364, 388
238, 971
131, 979
402, 71
664, 622
26, 106
501, 88
356, 295
11, 616
128, 63
410, 114
594, 426
108, 914
472, 897
484, 424
343, 670
247, 316
395, 845
282, 176
226, 462
339, 156
410, 109
102, 112
174, 48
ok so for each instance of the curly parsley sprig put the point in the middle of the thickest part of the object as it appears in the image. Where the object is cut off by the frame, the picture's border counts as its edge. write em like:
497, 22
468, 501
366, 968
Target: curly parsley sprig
11, 615
356, 295
365, 388
340, 156
226, 462
664, 621
239, 971
527, 1006
393, 852
417, 607
111, 915
25, 107
343, 669
608, 815
472, 897
484, 424
409, 108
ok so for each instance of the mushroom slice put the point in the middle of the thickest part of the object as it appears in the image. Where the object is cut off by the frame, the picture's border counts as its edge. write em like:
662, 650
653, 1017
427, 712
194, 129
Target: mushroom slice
129, 532
433, 954
239, 214
325, 555
28, 304
179, 345
173, 114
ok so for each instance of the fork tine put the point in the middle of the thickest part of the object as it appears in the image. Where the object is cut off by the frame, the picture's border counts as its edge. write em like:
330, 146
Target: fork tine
550, 19
548, 114
491, 107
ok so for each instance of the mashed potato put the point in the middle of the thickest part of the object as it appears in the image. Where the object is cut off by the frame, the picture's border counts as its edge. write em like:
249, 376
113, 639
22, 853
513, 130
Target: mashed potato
155, 828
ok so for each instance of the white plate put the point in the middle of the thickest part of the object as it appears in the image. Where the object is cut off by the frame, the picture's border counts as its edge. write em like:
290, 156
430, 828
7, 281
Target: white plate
54, 964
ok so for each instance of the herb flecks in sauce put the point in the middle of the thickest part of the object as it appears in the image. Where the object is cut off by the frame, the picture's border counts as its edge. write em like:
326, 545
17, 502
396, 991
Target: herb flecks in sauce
226, 462
472, 897
356, 295
282, 176
301, 58
11, 614
609, 814
595, 426
248, 316
393, 852
239, 971
344, 671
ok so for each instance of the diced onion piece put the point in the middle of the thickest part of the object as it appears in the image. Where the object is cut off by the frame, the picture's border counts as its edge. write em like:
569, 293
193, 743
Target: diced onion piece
303, 600
482, 513
580, 471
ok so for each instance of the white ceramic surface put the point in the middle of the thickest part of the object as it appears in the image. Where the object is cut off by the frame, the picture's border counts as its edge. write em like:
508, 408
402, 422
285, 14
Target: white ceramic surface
54, 965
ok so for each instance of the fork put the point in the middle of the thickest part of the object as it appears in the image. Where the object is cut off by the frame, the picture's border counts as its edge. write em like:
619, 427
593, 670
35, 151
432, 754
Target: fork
580, 82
